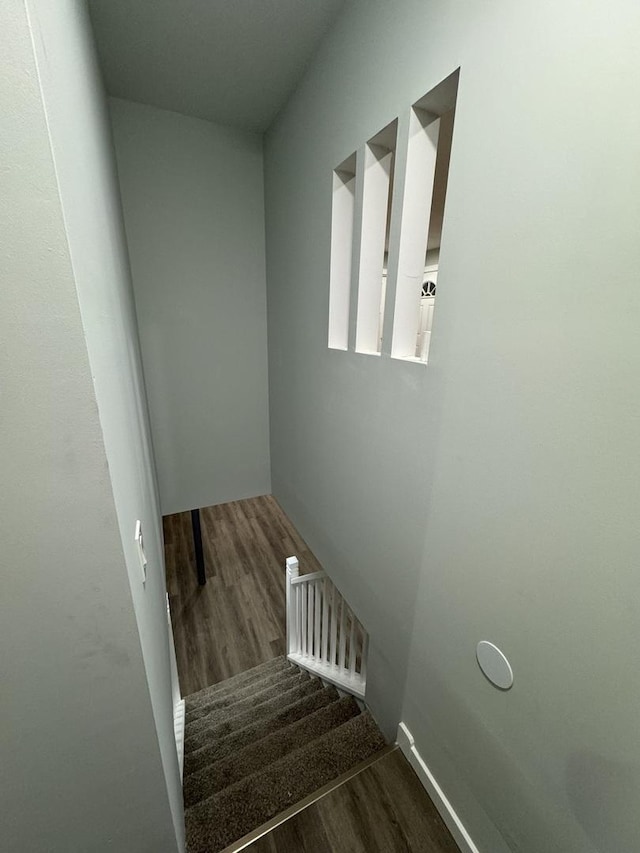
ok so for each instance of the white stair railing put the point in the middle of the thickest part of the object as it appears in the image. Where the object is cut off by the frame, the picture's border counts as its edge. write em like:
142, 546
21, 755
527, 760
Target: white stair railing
179, 705
323, 634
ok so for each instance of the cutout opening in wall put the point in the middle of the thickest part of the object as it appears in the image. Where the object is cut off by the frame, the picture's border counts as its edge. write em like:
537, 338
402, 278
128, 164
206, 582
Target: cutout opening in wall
379, 156
423, 204
342, 215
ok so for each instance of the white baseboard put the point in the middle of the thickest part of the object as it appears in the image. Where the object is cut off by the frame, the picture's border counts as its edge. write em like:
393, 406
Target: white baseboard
179, 711
440, 801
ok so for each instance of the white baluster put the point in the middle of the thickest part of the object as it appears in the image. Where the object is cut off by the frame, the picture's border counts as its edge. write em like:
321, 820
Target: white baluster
334, 625
325, 619
297, 610
310, 620
343, 635
303, 611
318, 603
299, 606
365, 652
292, 571
352, 646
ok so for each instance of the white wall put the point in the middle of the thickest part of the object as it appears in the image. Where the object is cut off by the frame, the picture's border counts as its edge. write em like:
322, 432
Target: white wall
82, 739
492, 494
194, 214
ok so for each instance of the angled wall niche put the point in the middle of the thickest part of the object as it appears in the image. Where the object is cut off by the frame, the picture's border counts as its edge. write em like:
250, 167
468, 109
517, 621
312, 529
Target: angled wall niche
425, 187
342, 215
379, 154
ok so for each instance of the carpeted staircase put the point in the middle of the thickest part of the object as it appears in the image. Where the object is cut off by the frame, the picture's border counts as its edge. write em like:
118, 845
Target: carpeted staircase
259, 743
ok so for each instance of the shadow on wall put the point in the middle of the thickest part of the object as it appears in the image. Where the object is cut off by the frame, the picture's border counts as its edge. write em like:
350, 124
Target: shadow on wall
508, 814
605, 796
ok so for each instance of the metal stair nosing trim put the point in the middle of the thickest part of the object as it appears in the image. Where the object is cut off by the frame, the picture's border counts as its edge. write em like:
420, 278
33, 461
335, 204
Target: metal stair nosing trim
268, 826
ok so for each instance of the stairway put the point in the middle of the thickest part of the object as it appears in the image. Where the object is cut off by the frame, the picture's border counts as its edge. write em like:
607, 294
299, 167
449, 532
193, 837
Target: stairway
261, 742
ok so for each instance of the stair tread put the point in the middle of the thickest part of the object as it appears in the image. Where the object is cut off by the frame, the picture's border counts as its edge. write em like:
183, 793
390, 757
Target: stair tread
220, 747
240, 680
237, 719
272, 747
244, 703
229, 814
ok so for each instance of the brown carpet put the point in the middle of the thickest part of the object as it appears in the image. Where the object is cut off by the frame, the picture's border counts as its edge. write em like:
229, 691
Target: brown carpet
260, 742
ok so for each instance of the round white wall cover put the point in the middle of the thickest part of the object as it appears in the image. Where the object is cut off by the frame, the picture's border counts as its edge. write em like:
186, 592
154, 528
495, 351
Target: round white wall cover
494, 665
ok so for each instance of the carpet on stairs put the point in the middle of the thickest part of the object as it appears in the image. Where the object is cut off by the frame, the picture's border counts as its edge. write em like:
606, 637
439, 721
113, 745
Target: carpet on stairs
261, 742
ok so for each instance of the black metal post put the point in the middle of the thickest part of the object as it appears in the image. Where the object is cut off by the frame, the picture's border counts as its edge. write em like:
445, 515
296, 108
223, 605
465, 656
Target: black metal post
197, 544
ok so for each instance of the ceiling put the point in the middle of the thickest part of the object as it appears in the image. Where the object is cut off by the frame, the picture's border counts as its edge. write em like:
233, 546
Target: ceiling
234, 62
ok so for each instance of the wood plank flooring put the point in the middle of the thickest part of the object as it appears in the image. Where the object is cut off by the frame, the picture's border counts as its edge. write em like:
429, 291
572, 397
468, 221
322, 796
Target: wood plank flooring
237, 620
384, 809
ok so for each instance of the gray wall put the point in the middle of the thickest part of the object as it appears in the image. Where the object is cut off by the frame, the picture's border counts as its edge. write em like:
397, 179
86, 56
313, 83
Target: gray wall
498, 486
194, 214
82, 766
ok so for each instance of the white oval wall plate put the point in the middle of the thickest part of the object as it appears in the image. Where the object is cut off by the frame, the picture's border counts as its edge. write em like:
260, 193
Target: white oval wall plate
494, 664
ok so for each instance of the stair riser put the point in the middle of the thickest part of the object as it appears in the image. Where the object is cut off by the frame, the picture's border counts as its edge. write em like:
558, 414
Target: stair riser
234, 722
237, 682
243, 705
221, 747
232, 696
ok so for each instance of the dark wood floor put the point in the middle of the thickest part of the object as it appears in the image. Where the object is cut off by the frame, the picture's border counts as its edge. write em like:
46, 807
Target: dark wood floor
384, 809
237, 620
